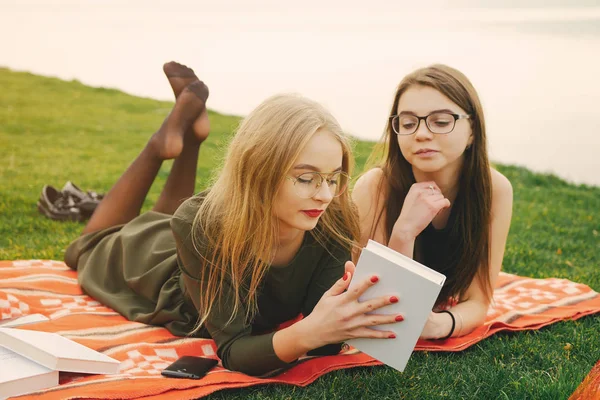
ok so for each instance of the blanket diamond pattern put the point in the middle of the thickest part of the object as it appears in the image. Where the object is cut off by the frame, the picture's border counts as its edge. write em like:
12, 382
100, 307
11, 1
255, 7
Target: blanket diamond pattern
50, 288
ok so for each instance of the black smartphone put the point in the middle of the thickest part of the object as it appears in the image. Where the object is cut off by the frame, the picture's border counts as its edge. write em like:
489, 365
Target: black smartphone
189, 367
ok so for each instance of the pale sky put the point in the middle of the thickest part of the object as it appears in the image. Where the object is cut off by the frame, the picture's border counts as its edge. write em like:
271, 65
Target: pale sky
535, 66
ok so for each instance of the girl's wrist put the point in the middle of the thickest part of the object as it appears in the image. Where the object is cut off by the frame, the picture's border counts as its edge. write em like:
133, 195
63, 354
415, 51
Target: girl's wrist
294, 341
403, 235
447, 324
308, 338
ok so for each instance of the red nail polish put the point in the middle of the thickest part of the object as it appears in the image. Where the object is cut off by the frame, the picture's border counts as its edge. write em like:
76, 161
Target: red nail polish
374, 279
392, 336
345, 277
393, 299
399, 318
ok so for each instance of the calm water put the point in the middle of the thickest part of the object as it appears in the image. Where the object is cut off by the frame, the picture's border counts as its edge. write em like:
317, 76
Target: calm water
535, 67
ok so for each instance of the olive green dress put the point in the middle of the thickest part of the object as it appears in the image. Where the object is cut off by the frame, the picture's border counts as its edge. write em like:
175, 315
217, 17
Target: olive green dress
149, 272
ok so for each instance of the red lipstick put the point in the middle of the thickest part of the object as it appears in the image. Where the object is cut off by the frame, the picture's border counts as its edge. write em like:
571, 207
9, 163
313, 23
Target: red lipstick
313, 213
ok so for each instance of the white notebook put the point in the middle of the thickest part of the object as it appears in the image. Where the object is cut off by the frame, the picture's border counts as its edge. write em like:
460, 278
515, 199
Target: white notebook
19, 375
417, 287
56, 352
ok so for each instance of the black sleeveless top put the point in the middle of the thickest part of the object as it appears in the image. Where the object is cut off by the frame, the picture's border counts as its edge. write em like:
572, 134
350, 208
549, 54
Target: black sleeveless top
439, 249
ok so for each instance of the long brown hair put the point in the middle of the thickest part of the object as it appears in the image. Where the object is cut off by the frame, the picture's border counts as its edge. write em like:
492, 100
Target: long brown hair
472, 206
235, 220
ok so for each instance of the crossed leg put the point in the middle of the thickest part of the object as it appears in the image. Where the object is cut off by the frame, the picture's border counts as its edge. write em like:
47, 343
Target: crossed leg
179, 137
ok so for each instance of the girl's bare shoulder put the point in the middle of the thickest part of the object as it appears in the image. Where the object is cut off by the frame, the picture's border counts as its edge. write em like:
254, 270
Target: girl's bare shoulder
501, 186
369, 181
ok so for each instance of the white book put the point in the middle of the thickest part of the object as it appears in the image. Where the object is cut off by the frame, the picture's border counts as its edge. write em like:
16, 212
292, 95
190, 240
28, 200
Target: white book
19, 375
56, 352
417, 288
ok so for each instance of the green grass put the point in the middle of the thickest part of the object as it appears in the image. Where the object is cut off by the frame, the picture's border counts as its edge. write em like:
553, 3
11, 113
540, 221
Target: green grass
52, 131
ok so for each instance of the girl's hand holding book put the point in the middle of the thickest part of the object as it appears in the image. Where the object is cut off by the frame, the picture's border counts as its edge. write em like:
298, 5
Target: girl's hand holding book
338, 316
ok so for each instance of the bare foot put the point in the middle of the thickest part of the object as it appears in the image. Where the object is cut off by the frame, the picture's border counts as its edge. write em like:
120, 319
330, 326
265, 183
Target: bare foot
167, 142
179, 77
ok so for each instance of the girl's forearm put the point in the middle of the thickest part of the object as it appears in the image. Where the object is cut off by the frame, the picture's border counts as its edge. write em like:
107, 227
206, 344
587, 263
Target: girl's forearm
294, 341
469, 315
403, 243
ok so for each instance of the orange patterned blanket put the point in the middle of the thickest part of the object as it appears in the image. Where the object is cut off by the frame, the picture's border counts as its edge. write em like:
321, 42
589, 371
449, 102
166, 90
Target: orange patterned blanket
51, 288
590, 387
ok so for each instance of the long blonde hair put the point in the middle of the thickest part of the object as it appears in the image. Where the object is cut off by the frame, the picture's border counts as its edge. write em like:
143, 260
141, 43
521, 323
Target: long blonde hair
234, 229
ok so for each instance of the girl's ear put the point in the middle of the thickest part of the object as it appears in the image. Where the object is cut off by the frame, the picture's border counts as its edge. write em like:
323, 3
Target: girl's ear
470, 141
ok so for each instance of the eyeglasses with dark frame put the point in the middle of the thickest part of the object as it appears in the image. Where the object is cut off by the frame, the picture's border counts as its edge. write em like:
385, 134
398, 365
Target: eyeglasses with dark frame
437, 122
308, 184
